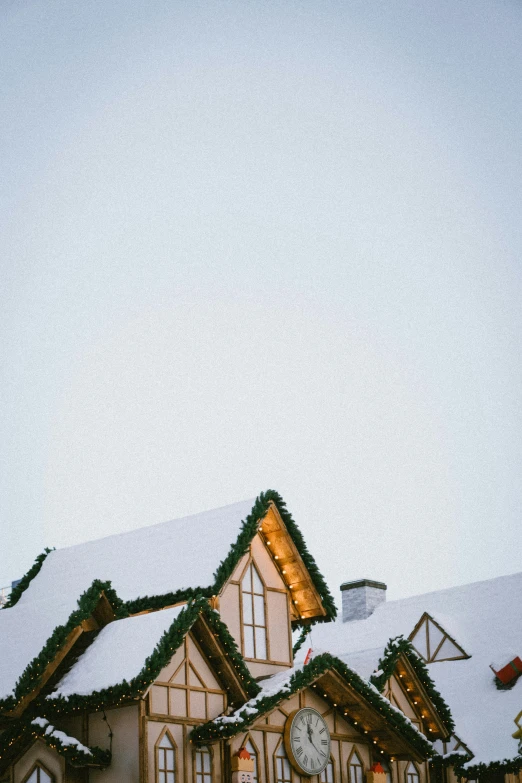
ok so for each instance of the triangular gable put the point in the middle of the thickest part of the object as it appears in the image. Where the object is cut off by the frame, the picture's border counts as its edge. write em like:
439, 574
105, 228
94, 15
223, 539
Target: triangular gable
400, 659
96, 608
307, 603
312, 599
269, 518
213, 638
19, 737
341, 687
433, 643
452, 745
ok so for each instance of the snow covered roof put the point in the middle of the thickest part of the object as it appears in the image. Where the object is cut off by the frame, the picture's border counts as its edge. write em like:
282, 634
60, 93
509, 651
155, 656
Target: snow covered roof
482, 617
15, 738
150, 561
102, 665
167, 563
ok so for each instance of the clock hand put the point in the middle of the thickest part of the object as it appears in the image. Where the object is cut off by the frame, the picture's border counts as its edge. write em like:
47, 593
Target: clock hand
311, 738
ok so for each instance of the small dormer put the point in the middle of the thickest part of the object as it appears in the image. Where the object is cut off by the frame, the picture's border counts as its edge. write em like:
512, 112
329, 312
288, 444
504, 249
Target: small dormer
433, 643
270, 589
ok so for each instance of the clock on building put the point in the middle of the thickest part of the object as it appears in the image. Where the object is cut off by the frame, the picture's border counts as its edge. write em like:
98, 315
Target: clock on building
307, 741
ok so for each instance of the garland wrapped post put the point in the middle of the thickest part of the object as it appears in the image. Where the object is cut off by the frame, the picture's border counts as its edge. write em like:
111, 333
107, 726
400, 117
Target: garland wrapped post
305, 630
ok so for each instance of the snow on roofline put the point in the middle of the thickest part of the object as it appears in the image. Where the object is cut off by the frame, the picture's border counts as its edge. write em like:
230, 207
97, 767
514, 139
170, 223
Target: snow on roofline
484, 618
152, 567
281, 685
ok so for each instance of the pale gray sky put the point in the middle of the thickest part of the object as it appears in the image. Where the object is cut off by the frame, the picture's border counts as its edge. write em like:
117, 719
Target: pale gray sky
265, 244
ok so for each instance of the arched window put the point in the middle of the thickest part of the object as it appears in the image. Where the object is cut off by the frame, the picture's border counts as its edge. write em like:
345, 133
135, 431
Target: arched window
254, 620
355, 768
203, 765
253, 753
327, 775
166, 760
282, 765
412, 773
39, 775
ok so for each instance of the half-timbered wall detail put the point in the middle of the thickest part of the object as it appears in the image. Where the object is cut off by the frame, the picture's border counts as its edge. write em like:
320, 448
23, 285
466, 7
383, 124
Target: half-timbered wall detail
397, 695
185, 693
255, 605
349, 747
187, 687
433, 643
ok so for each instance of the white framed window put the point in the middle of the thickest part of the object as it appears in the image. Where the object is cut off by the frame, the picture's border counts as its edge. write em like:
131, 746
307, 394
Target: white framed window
166, 760
355, 768
283, 769
203, 765
411, 774
254, 614
39, 775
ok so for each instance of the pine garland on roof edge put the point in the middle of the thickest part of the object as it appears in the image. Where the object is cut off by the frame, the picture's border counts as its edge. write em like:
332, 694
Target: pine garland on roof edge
23, 732
226, 568
31, 677
251, 711
473, 771
386, 668
25, 581
168, 644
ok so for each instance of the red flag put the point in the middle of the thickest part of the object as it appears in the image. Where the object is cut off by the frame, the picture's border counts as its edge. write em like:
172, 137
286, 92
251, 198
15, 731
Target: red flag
308, 656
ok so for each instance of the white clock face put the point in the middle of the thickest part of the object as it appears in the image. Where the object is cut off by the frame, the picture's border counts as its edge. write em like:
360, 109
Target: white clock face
307, 741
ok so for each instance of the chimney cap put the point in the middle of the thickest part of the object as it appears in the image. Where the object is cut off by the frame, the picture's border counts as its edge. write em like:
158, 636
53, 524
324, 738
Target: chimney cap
363, 583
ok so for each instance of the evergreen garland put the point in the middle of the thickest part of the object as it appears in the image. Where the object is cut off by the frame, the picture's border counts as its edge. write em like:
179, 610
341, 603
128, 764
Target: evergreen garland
483, 771
308, 560
75, 755
173, 637
23, 732
305, 630
302, 678
230, 647
386, 668
23, 584
438, 764
152, 603
31, 677
226, 568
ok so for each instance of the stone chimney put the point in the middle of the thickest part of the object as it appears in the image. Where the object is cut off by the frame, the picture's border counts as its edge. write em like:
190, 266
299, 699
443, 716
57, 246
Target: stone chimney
361, 598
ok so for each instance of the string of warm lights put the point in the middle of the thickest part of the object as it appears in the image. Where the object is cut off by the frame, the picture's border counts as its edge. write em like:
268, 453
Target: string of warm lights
480, 771
387, 665
301, 679
31, 678
171, 640
25, 731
